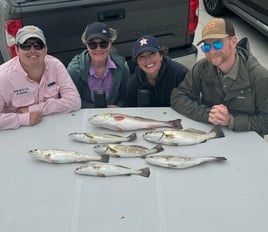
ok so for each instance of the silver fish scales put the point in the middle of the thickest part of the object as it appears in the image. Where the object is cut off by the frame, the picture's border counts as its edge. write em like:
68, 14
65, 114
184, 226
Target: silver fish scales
182, 137
123, 122
117, 150
104, 170
63, 156
179, 162
99, 138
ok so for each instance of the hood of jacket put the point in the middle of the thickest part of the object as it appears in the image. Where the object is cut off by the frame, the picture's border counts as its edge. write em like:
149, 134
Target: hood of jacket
243, 49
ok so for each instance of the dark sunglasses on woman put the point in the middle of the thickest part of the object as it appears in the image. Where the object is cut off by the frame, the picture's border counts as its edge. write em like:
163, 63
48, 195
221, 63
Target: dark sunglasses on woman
26, 46
102, 44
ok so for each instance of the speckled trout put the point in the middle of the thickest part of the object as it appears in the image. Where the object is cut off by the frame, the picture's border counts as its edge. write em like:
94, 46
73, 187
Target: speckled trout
62, 156
123, 122
173, 161
97, 138
182, 137
104, 170
128, 151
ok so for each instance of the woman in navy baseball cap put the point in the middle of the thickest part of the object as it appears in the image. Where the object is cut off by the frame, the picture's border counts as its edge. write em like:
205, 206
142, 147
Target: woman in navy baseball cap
155, 75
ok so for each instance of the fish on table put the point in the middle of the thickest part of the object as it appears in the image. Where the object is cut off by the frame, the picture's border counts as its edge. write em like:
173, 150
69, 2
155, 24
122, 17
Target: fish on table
124, 122
182, 137
180, 162
105, 170
64, 156
99, 138
118, 150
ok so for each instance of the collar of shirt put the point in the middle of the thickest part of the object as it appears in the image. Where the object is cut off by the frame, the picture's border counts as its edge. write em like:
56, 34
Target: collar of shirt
109, 65
234, 71
21, 70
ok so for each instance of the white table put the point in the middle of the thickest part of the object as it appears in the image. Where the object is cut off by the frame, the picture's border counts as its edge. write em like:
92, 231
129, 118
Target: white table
39, 197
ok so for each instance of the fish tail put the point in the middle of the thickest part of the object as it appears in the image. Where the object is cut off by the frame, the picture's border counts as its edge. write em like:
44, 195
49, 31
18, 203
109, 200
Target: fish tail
104, 158
158, 148
219, 132
176, 123
132, 136
145, 172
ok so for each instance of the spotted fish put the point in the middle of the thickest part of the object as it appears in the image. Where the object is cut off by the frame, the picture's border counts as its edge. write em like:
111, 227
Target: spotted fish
103, 170
173, 161
98, 138
63, 156
118, 150
182, 137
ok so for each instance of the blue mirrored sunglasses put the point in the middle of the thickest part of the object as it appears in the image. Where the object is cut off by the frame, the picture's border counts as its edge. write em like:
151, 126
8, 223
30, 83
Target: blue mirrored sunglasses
217, 45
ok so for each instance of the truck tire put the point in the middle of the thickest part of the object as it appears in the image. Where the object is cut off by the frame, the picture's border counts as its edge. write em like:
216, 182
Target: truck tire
214, 7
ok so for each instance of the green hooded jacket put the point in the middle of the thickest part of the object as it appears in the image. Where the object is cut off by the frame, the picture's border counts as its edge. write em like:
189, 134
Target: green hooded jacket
78, 69
246, 98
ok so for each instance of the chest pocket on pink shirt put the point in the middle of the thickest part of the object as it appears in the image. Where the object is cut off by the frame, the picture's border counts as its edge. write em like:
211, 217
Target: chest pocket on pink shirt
22, 100
52, 92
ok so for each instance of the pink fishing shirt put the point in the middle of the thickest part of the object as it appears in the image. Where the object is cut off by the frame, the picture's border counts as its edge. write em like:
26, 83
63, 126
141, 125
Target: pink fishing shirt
56, 92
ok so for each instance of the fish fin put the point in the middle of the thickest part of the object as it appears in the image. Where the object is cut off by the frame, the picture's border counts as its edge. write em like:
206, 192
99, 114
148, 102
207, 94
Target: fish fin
132, 136
218, 131
158, 148
104, 158
172, 166
111, 149
48, 159
99, 174
89, 135
176, 123
118, 128
145, 172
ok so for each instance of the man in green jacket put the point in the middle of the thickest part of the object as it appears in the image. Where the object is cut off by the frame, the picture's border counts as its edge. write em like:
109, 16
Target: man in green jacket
229, 87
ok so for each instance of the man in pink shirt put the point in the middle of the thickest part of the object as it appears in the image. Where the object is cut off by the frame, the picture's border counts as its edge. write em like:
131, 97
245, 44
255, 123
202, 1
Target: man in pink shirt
34, 84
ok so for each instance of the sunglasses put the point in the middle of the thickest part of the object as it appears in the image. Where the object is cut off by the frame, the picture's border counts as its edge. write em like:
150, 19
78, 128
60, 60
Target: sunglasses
93, 45
38, 45
217, 45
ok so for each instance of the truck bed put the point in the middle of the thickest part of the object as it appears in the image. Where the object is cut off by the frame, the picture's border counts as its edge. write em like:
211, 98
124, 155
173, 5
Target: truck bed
63, 22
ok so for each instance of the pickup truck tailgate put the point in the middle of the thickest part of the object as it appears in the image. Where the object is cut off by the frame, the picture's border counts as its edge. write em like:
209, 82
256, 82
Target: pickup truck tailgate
65, 21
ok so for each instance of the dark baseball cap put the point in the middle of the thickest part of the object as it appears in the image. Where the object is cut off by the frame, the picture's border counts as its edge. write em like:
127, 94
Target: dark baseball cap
146, 43
98, 30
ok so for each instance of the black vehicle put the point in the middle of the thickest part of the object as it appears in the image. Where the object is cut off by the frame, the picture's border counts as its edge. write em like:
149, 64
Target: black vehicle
255, 12
173, 22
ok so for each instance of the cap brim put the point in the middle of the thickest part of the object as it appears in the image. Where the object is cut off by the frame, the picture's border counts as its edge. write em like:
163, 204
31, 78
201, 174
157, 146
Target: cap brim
213, 36
150, 49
